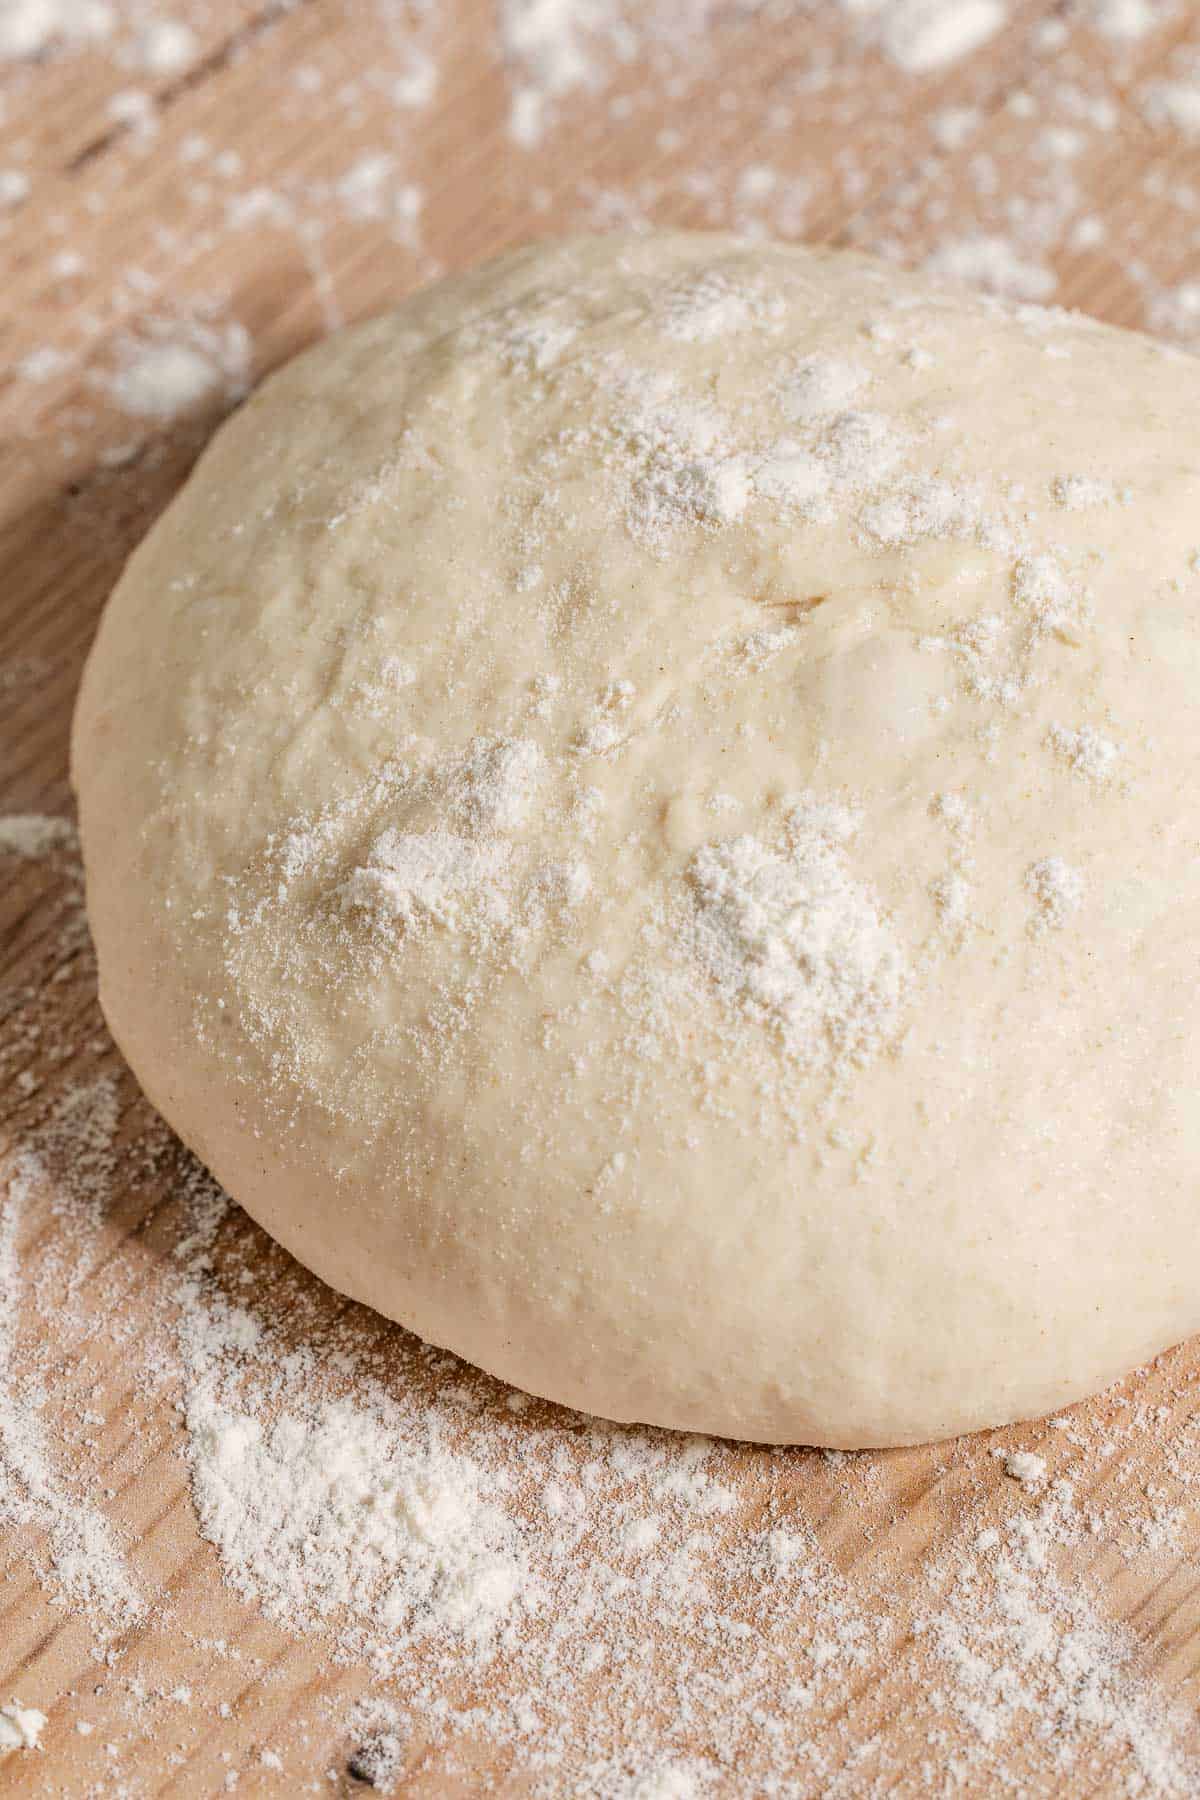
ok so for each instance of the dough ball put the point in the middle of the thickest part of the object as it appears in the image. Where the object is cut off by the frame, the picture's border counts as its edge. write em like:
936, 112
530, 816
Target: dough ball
640, 813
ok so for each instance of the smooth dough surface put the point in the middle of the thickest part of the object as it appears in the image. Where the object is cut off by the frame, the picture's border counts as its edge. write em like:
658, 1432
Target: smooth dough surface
640, 813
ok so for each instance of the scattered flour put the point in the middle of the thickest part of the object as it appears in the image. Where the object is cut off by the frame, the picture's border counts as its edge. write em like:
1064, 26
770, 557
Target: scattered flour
382, 1745
173, 369
33, 28
84, 1562
1025, 1466
1028, 1656
1126, 21
29, 27
1057, 889
334, 1516
1087, 751
163, 46
35, 834
921, 36
1077, 493
42, 365
14, 188
993, 263
21, 1727
554, 46
371, 189
1174, 104
672, 1782
417, 85
1175, 311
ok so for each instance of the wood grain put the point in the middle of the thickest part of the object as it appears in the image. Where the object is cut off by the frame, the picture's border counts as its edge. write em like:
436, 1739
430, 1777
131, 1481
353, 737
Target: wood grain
857, 157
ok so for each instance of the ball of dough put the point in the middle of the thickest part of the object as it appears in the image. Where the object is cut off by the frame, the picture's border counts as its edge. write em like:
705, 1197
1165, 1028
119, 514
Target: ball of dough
640, 814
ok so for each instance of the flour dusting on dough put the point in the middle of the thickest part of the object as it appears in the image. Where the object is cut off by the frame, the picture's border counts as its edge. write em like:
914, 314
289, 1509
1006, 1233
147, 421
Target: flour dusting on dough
789, 933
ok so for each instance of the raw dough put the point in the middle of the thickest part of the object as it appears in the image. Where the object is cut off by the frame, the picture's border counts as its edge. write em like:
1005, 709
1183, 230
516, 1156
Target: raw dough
641, 815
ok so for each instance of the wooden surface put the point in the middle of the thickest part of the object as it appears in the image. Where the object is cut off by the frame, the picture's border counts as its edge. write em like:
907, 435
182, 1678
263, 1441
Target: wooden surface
166, 230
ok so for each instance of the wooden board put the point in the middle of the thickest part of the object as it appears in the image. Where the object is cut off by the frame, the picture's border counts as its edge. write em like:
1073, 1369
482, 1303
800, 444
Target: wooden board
222, 195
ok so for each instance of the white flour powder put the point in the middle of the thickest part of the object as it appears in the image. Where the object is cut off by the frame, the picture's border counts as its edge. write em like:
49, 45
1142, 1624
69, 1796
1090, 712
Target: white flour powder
335, 1515
173, 368
792, 935
20, 1727
924, 35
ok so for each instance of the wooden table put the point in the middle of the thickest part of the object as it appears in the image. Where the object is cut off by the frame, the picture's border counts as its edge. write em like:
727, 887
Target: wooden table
236, 188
